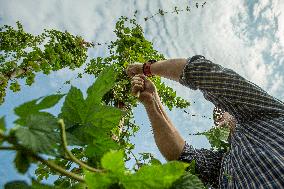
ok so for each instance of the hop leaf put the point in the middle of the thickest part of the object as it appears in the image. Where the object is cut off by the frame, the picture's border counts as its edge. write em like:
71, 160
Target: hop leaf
39, 135
22, 162
2, 124
15, 86
113, 161
188, 181
33, 106
155, 176
103, 84
218, 137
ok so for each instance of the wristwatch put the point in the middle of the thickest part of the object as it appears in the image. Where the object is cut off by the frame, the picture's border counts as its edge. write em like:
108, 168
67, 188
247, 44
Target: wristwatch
147, 68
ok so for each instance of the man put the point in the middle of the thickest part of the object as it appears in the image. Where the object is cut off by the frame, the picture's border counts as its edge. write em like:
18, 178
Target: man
256, 155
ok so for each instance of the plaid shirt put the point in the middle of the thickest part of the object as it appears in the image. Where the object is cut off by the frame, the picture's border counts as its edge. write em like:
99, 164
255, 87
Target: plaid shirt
256, 156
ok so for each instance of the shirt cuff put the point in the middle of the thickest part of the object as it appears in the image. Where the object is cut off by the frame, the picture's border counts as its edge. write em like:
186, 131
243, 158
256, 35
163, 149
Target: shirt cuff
187, 150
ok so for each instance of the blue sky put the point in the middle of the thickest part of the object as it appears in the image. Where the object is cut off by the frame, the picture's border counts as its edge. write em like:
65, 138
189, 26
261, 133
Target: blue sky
246, 36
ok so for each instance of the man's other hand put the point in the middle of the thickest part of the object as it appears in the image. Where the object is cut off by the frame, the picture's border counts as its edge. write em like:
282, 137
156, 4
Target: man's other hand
146, 87
134, 69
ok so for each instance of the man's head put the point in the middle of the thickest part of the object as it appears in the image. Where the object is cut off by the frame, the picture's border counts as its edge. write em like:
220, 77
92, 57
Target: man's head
223, 119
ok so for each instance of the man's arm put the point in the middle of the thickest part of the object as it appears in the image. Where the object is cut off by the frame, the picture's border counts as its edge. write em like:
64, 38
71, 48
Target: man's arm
170, 69
167, 137
223, 87
173, 147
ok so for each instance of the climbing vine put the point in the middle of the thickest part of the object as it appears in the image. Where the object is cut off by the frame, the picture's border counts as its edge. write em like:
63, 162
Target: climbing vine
88, 142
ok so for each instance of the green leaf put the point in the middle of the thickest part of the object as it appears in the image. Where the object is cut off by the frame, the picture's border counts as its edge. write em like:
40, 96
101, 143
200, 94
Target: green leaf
15, 86
217, 137
2, 124
103, 120
104, 116
100, 146
22, 162
32, 107
155, 161
39, 134
24, 185
192, 167
2, 127
78, 135
73, 110
83, 122
49, 101
155, 176
73, 140
102, 85
42, 121
17, 184
27, 108
97, 180
90, 151
188, 181
113, 161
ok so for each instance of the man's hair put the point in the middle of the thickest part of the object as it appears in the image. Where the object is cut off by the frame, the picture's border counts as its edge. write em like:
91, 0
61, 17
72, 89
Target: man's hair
217, 115
196, 57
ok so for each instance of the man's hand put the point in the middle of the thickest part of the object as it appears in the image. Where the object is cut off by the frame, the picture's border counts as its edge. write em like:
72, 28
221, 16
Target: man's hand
146, 87
134, 69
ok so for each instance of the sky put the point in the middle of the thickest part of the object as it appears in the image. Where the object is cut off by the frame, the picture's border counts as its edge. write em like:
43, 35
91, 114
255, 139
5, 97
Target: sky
246, 36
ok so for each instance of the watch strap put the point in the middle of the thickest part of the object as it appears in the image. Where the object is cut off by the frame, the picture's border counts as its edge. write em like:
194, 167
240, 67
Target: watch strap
147, 68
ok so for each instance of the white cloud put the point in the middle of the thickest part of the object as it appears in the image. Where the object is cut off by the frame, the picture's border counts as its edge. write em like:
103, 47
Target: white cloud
228, 35
249, 41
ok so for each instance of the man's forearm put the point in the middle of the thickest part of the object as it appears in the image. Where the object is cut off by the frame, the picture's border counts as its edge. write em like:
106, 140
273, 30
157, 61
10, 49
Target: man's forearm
167, 138
170, 69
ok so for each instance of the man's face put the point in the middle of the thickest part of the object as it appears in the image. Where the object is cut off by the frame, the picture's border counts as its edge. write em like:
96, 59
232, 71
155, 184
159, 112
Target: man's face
227, 119
223, 119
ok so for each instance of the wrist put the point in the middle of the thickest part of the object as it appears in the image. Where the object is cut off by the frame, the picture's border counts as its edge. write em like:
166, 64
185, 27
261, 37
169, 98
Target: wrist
147, 68
149, 102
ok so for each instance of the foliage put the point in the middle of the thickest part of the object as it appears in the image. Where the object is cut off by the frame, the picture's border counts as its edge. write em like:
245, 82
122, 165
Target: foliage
2, 128
23, 54
131, 46
156, 176
218, 137
187, 181
91, 122
88, 142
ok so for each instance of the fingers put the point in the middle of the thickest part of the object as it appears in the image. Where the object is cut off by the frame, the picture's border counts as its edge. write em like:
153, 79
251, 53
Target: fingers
136, 88
129, 72
137, 83
139, 76
133, 69
138, 79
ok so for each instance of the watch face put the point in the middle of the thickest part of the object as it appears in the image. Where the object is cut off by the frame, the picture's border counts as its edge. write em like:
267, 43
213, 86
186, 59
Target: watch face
152, 61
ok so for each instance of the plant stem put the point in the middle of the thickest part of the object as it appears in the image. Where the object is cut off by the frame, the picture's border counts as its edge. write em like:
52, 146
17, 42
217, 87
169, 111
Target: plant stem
7, 148
48, 163
58, 168
72, 157
15, 73
137, 161
2, 136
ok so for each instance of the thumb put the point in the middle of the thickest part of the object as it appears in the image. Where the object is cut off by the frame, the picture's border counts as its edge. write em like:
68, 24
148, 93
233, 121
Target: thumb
129, 72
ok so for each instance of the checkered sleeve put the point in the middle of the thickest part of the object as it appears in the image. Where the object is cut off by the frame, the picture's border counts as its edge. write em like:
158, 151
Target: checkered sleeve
207, 163
228, 90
